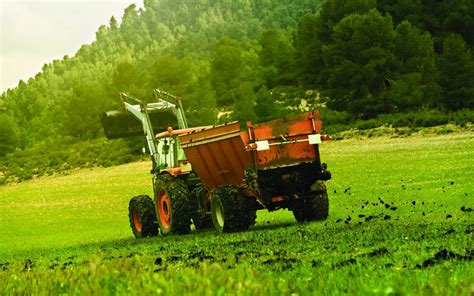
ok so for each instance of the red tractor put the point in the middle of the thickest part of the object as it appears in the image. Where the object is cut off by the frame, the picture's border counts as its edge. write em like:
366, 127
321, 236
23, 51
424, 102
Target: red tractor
219, 175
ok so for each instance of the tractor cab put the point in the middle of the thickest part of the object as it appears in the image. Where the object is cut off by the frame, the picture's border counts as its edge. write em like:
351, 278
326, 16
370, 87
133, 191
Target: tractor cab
172, 158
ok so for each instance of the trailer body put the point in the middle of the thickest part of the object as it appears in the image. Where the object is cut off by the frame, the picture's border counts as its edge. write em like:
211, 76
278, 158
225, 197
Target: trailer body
282, 154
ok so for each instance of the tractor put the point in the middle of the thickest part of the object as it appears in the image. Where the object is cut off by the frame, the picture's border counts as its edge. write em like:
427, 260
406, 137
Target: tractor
219, 176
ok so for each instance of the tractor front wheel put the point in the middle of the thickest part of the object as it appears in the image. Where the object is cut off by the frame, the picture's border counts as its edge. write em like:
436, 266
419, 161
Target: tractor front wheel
174, 206
141, 213
230, 210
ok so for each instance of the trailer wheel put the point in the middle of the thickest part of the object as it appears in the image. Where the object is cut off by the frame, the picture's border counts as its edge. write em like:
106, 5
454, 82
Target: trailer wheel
230, 210
141, 213
316, 207
173, 205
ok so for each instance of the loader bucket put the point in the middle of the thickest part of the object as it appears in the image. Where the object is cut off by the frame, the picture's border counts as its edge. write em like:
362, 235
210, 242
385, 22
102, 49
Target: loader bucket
122, 124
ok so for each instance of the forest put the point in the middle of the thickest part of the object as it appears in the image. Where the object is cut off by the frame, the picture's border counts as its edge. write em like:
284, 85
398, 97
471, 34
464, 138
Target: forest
256, 60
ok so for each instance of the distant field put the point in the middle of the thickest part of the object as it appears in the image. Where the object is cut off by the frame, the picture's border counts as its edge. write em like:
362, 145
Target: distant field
400, 221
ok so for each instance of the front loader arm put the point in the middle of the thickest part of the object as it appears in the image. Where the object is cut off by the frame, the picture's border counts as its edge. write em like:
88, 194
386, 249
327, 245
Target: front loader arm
141, 113
178, 111
155, 116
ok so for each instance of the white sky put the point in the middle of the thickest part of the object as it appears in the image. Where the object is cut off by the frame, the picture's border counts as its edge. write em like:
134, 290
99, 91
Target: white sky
36, 32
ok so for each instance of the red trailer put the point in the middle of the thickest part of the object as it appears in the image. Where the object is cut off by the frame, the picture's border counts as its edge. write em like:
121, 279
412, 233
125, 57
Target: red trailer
271, 165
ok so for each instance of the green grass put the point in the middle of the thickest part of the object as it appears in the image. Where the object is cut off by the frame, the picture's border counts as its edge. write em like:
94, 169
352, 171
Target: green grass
70, 234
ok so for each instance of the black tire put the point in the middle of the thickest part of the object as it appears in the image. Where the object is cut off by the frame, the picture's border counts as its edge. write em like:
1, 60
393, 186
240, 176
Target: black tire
316, 207
202, 218
230, 210
141, 213
173, 205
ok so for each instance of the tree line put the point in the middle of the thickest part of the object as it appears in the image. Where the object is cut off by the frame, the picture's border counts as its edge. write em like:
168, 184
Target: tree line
256, 58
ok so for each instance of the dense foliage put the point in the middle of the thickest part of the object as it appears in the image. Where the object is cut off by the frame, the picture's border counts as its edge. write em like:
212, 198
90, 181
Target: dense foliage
257, 59
371, 57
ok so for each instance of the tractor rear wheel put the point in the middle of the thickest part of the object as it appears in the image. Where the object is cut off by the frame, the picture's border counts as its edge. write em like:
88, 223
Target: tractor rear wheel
141, 213
173, 205
230, 210
316, 207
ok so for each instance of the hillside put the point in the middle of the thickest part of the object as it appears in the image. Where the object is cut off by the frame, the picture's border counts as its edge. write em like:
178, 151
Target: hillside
258, 59
169, 44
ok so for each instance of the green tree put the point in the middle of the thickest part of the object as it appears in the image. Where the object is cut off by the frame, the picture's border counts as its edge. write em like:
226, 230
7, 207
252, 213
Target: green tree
243, 107
277, 58
2, 102
405, 92
128, 78
83, 109
172, 74
456, 64
460, 19
226, 67
265, 105
308, 51
361, 64
436, 17
415, 82
113, 24
402, 10
8, 135
200, 104
315, 31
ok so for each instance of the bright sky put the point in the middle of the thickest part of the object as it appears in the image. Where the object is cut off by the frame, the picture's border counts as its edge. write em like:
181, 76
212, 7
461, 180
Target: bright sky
36, 32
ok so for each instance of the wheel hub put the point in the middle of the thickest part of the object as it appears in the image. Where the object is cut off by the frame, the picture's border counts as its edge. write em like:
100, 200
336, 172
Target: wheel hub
137, 223
220, 213
164, 210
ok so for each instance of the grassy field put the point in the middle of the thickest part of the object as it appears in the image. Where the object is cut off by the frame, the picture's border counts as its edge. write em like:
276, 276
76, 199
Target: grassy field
400, 222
